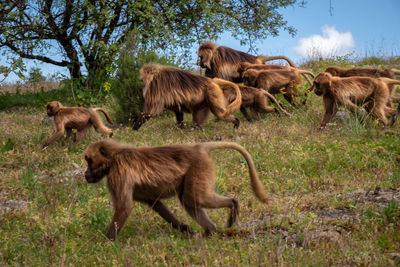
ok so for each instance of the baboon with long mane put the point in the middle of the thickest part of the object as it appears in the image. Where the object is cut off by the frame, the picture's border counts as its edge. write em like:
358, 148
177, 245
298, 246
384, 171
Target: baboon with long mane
283, 81
222, 62
183, 91
79, 118
253, 98
351, 92
150, 174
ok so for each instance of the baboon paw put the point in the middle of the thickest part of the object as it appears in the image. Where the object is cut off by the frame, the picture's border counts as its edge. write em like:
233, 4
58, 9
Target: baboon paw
234, 212
184, 228
236, 123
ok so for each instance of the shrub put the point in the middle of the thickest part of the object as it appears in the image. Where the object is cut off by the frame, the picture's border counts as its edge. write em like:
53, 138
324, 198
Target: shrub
126, 87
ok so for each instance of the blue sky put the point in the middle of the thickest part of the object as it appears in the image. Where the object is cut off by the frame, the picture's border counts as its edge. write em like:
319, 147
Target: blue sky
356, 27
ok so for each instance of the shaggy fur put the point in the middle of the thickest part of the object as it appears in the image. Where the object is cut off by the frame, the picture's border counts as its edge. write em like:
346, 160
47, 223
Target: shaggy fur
253, 98
183, 91
79, 118
354, 91
283, 81
222, 62
368, 72
150, 174
243, 66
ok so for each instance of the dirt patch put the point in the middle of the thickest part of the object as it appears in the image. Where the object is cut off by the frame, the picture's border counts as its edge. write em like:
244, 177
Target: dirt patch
8, 205
376, 196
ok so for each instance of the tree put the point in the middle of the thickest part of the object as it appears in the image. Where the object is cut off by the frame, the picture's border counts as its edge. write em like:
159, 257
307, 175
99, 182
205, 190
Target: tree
84, 35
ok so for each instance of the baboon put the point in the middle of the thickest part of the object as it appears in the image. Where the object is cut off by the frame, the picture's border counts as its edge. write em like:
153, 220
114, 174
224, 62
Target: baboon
367, 72
222, 62
253, 98
354, 91
150, 174
183, 91
243, 66
283, 81
79, 118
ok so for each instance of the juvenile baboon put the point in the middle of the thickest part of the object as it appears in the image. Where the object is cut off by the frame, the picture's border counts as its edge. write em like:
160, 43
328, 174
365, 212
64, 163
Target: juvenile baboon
367, 72
283, 81
243, 66
150, 174
222, 62
79, 118
183, 91
354, 91
253, 98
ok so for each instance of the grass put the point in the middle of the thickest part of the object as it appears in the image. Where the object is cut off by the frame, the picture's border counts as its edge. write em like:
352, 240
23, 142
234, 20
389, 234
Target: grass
308, 173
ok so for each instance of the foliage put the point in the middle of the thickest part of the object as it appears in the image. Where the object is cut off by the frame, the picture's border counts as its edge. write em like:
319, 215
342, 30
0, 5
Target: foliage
84, 36
35, 76
37, 99
126, 86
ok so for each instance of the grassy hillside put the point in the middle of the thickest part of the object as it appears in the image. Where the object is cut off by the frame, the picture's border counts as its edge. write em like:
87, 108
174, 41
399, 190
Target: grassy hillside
334, 195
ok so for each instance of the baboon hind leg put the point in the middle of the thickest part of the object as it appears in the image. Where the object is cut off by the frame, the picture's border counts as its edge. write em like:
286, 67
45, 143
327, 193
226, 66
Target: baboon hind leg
201, 217
167, 215
200, 116
217, 201
80, 134
246, 114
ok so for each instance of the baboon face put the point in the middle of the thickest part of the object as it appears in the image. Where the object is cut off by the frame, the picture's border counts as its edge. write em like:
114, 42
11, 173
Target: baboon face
321, 83
249, 78
140, 120
52, 108
205, 55
98, 167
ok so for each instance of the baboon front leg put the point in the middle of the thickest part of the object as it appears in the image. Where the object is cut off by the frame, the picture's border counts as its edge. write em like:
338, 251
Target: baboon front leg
165, 213
179, 119
122, 210
330, 110
58, 134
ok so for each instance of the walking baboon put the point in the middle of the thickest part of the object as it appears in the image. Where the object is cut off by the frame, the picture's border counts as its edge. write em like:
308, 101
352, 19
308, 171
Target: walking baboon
79, 118
283, 81
150, 174
368, 72
243, 66
183, 91
222, 62
253, 98
354, 91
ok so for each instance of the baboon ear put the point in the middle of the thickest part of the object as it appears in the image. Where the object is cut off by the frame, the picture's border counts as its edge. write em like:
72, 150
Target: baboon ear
103, 151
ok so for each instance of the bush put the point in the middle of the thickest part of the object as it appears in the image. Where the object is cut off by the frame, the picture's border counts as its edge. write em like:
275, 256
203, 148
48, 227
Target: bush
126, 87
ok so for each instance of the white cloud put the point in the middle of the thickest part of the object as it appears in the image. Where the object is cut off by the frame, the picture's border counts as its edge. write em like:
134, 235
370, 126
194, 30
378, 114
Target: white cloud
331, 43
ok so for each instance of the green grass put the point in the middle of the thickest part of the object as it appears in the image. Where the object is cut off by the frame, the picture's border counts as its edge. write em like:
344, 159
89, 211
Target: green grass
304, 170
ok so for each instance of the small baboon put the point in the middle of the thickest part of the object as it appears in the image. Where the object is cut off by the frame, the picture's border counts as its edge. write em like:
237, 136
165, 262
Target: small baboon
222, 62
253, 98
243, 66
150, 174
283, 81
182, 91
374, 93
368, 72
79, 118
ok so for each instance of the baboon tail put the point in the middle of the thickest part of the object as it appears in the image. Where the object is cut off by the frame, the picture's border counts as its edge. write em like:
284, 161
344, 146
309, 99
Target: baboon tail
277, 103
389, 81
396, 72
269, 58
235, 105
105, 114
305, 73
256, 184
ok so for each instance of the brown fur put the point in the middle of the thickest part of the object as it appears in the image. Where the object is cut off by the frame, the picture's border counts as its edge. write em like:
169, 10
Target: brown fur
79, 118
283, 81
222, 62
253, 98
150, 174
183, 91
243, 66
353, 91
367, 72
